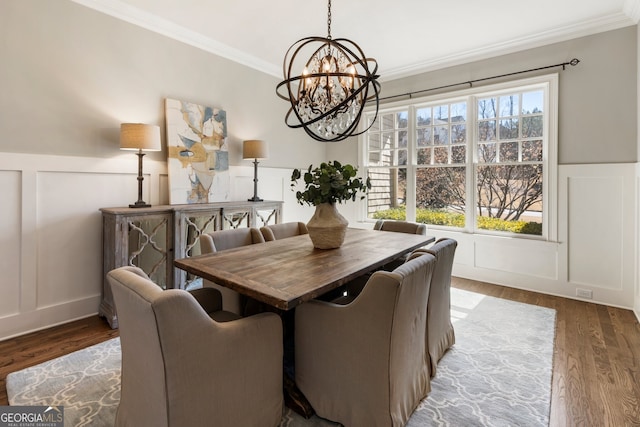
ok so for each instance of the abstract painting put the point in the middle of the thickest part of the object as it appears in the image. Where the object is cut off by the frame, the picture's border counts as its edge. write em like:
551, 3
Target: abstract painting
198, 158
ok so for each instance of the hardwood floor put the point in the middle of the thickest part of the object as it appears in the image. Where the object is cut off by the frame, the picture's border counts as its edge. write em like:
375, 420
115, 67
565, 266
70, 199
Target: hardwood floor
32, 349
596, 364
596, 371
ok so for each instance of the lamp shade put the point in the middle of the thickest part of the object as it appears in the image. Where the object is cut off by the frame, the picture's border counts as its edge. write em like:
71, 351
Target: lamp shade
255, 149
138, 136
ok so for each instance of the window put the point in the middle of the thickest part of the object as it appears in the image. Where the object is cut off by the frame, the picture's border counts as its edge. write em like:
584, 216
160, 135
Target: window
480, 160
388, 155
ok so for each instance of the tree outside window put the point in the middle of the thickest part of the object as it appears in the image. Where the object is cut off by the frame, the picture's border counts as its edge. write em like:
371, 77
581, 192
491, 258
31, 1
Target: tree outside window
495, 140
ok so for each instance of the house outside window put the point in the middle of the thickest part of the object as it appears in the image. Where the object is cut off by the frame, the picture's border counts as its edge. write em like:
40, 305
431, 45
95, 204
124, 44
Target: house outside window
481, 160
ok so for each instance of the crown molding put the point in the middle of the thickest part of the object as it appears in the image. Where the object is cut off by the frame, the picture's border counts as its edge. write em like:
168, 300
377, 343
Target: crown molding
632, 10
585, 28
630, 15
135, 16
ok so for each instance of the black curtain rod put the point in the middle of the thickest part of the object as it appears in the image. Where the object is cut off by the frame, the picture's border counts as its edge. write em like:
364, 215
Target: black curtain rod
573, 62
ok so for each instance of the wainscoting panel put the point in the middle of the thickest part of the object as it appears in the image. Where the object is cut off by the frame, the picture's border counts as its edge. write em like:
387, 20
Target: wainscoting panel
243, 186
600, 205
466, 251
51, 250
596, 204
51, 228
528, 257
10, 241
271, 185
50, 233
70, 231
273, 188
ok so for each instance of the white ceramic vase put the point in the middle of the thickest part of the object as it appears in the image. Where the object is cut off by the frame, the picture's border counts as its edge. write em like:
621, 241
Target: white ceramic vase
327, 227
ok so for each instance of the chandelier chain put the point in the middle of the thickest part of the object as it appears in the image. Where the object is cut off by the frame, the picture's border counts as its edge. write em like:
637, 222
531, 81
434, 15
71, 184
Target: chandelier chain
329, 21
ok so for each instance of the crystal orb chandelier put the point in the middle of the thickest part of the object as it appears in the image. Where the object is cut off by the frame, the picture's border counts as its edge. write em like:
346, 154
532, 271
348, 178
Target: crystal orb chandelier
334, 83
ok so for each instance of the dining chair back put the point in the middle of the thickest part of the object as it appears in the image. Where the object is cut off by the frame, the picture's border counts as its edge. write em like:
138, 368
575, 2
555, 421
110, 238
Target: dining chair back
365, 363
283, 230
180, 367
221, 240
440, 333
400, 226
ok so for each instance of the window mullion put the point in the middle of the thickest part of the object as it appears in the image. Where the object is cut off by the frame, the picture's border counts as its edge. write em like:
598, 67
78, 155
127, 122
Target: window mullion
472, 162
410, 196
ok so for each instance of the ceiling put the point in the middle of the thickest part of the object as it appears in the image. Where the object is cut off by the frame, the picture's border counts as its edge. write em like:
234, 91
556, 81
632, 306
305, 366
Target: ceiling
405, 36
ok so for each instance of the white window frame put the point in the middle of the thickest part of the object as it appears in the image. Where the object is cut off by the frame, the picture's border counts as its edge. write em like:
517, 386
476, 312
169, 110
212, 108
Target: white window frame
548, 83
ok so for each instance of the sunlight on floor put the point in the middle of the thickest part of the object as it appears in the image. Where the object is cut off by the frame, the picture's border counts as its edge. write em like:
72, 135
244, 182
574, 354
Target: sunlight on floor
463, 302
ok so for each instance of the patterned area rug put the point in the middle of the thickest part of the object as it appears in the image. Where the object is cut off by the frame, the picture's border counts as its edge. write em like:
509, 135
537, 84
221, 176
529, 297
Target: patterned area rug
497, 374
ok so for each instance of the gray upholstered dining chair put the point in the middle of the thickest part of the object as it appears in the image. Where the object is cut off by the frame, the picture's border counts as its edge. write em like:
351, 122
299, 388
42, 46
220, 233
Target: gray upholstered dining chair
365, 363
181, 367
399, 227
283, 230
221, 240
440, 333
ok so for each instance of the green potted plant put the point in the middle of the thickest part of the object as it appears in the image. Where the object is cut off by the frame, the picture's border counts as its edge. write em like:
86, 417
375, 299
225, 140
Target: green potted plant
325, 185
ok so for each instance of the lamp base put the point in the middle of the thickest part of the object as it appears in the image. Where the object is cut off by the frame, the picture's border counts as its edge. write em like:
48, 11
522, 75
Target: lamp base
255, 197
140, 204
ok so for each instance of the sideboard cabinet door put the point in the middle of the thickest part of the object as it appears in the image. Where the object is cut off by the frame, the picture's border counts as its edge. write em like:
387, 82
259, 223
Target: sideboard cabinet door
190, 224
136, 237
266, 213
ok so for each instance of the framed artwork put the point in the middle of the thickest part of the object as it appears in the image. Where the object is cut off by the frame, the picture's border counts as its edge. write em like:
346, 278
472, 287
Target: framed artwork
198, 156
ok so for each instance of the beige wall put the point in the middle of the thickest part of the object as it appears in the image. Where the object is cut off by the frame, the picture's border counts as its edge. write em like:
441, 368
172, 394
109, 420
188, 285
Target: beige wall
597, 98
597, 105
70, 75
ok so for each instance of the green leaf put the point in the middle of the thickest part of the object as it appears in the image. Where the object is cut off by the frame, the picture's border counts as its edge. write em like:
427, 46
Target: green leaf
329, 183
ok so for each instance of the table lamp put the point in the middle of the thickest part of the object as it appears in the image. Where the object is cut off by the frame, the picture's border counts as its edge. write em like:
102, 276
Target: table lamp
255, 149
138, 136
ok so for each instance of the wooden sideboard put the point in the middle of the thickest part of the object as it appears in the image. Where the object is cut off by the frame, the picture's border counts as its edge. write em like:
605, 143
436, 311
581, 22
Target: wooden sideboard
152, 238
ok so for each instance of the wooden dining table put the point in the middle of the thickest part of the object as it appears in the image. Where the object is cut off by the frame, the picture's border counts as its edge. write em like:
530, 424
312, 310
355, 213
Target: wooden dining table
285, 273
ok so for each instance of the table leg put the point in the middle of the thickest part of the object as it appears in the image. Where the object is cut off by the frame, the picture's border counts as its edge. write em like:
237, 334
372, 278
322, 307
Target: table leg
293, 397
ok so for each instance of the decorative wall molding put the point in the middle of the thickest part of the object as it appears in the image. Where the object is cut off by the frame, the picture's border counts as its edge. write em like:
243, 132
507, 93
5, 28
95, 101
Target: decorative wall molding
51, 234
51, 241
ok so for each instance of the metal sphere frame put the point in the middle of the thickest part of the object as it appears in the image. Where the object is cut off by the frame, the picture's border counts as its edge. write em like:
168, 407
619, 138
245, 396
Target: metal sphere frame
336, 81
